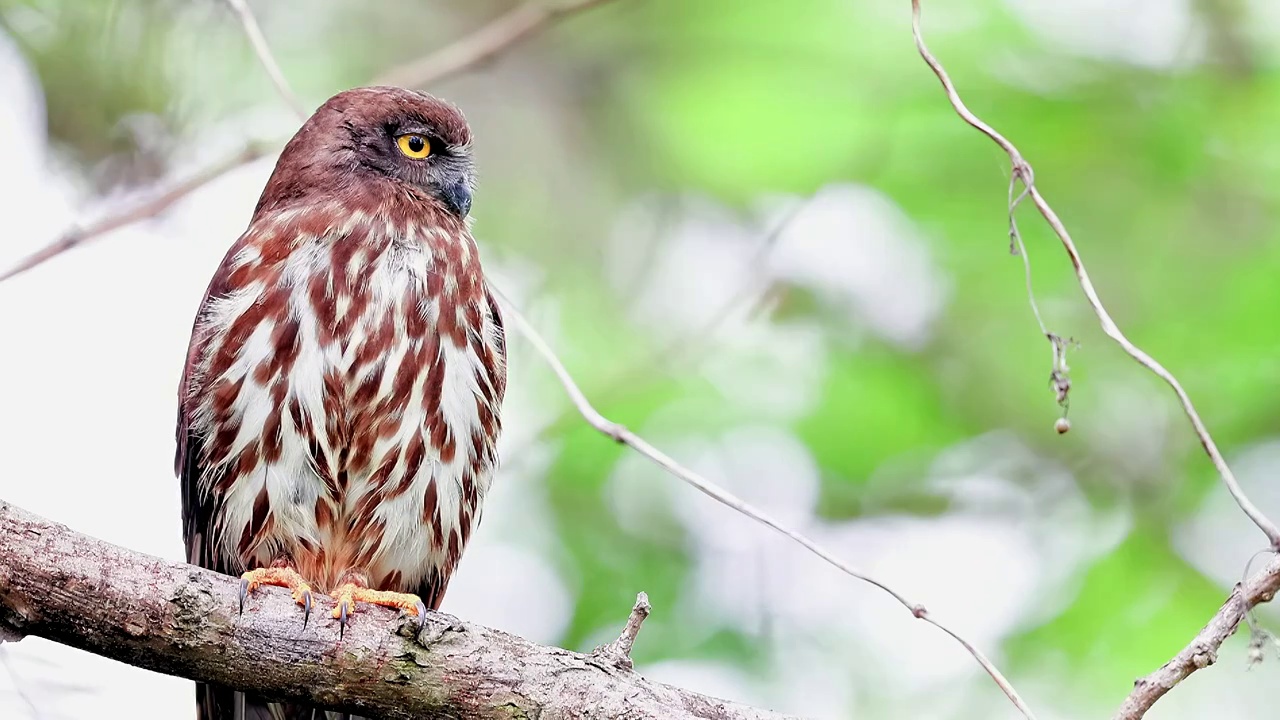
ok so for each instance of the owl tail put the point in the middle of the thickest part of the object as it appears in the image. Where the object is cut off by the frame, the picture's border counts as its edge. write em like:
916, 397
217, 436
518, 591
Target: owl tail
219, 703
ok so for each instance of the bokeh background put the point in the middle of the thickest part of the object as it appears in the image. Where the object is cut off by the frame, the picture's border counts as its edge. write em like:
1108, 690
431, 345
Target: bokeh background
758, 235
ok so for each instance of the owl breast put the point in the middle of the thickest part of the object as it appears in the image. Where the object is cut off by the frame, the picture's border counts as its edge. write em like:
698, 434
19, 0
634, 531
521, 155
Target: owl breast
351, 408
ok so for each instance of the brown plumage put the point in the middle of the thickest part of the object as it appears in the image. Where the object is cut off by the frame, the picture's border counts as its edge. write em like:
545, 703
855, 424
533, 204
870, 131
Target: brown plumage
340, 407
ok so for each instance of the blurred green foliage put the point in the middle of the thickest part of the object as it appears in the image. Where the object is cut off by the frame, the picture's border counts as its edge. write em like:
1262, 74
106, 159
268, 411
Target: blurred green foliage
109, 88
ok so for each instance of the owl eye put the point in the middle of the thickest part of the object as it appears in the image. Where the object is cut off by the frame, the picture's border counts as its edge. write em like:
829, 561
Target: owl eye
414, 146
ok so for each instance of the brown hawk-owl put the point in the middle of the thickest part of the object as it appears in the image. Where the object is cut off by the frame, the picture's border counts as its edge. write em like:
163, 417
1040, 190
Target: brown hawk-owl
340, 406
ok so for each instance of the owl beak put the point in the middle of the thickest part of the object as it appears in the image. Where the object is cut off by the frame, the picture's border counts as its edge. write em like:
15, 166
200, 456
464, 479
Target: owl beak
458, 197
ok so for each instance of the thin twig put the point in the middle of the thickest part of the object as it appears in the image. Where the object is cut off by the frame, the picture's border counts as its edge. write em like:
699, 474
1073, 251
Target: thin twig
443, 63
621, 434
488, 42
1059, 376
144, 210
263, 51
1022, 170
1203, 650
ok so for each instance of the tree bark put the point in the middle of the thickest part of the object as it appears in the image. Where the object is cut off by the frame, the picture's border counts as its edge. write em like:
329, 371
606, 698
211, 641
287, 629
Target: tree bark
182, 620
1202, 651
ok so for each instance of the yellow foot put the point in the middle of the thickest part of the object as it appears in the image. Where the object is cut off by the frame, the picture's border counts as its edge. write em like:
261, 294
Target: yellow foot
282, 577
349, 594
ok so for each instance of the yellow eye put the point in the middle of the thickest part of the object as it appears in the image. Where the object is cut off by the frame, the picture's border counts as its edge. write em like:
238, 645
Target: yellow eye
414, 146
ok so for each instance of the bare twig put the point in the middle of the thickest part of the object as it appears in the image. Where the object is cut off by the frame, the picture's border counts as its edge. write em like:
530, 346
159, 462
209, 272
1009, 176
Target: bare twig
621, 434
1203, 650
263, 51
144, 210
1060, 375
486, 42
1022, 171
619, 651
182, 620
500, 34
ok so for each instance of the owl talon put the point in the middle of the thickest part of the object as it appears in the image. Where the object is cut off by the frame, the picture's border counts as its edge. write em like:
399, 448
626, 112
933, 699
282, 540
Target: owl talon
282, 577
349, 594
306, 607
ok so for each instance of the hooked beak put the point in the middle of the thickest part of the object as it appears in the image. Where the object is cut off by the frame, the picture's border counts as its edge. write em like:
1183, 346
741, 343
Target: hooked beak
458, 197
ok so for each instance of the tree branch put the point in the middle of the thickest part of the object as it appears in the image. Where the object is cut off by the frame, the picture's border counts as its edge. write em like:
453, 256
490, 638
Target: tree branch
1203, 650
182, 620
1022, 173
503, 32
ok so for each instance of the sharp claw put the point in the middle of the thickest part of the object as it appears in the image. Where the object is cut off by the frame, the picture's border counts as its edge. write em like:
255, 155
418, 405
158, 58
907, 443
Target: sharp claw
306, 608
422, 616
244, 592
342, 618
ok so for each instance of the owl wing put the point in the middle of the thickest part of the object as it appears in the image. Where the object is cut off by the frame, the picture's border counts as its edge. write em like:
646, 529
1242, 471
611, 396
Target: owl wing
431, 589
199, 507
